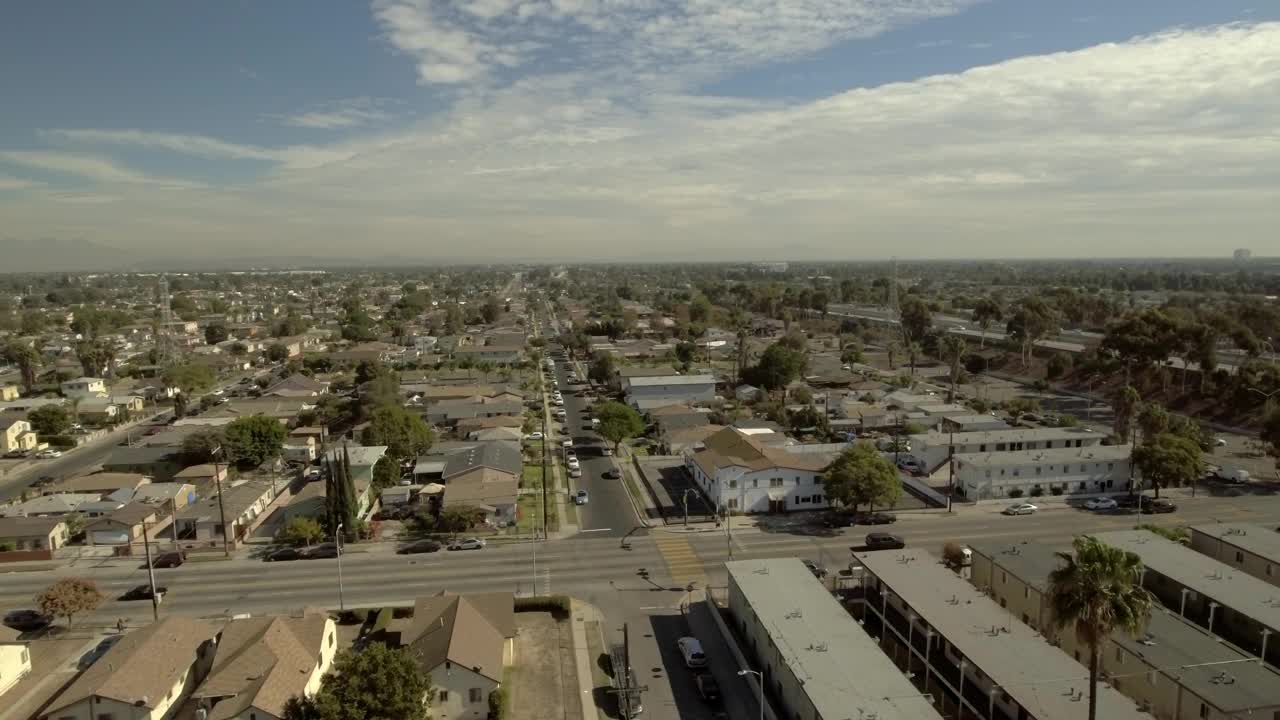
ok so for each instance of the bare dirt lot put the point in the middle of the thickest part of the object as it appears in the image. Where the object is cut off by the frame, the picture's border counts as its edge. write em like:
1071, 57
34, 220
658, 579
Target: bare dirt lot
543, 682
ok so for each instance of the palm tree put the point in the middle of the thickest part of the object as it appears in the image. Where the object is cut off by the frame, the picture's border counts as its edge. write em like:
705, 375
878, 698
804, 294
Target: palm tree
913, 352
1098, 589
27, 360
952, 349
893, 348
1125, 406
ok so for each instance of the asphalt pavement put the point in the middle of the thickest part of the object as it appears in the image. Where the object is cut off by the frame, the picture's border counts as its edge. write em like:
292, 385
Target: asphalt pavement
609, 511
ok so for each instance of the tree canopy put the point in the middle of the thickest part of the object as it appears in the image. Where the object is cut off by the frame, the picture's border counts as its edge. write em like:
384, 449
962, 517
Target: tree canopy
69, 597
860, 475
49, 420
378, 683
404, 433
1169, 460
251, 441
618, 422
190, 378
602, 368
777, 366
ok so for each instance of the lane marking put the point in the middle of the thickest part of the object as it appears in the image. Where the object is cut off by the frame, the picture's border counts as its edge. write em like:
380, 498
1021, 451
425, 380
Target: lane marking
595, 530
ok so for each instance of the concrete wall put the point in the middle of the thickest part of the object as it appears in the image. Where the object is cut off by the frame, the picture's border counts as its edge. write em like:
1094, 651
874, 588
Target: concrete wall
932, 449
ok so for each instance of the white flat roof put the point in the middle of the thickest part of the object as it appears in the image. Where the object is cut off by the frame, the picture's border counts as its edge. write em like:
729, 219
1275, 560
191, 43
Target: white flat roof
844, 672
671, 380
1254, 539
1095, 453
1010, 435
1036, 675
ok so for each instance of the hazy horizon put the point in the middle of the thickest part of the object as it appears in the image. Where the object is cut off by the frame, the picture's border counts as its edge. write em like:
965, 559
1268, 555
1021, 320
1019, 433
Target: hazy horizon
497, 131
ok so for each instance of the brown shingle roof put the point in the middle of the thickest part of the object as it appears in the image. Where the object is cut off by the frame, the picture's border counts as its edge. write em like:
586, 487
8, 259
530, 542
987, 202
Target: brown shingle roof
143, 667
468, 630
731, 447
261, 662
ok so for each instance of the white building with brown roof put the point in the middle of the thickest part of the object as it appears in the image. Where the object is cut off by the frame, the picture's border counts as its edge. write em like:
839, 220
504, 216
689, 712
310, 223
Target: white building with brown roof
748, 471
261, 662
144, 676
464, 642
15, 658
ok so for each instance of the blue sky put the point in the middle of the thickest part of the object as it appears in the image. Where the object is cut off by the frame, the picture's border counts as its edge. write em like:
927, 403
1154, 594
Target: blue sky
611, 130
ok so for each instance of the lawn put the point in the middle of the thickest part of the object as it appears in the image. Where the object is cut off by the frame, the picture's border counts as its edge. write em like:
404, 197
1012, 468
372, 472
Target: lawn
532, 476
531, 513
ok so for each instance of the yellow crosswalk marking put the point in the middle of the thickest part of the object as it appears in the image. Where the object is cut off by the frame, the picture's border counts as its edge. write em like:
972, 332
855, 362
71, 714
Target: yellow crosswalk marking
683, 563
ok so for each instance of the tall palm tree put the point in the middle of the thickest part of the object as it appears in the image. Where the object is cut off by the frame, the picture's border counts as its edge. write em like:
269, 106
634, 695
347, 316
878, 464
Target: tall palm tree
1125, 406
1098, 589
953, 348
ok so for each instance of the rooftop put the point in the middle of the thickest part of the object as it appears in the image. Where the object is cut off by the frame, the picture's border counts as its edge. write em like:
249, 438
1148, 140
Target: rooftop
824, 646
362, 455
1036, 675
262, 662
1004, 436
1029, 562
469, 630
1097, 453
1231, 588
1253, 539
236, 501
498, 455
672, 379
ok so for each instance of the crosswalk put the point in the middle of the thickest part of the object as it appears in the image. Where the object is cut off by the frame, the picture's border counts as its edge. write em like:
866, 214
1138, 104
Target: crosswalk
683, 563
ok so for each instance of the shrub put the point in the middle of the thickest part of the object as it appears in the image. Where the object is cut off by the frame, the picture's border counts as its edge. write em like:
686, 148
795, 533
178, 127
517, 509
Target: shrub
1055, 490
953, 554
1037, 491
557, 605
498, 704
1015, 493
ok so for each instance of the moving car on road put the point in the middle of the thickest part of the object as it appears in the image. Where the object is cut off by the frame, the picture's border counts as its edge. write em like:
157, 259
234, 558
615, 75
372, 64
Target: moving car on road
26, 620
612, 474
1103, 503
691, 650
143, 592
533, 436
421, 546
580, 497
49, 454
708, 690
169, 559
321, 551
884, 541
284, 554
467, 544
1020, 509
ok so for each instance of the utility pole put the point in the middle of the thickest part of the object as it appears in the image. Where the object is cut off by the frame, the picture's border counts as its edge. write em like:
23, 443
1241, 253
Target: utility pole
546, 478
337, 538
222, 510
951, 467
151, 573
173, 522
684, 499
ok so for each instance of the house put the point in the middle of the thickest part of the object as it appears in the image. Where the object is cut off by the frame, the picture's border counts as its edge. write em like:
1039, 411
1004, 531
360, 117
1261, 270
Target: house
362, 459
1028, 473
130, 405
650, 392
976, 422
1172, 669
1252, 548
743, 471
145, 676
84, 387
202, 520
933, 448
297, 386
167, 496
677, 442
747, 393
122, 527
50, 505
464, 642
15, 658
204, 477
100, 484
98, 410
33, 533
815, 657
486, 476
971, 647
158, 463
16, 435
262, 662
496, 354
8, 392
299, 449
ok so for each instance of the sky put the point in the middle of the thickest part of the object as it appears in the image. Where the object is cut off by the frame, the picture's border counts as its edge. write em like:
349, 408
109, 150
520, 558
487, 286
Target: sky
637, 130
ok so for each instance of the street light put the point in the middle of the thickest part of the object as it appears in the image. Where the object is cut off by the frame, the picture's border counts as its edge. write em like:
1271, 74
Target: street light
760, 678
337, 538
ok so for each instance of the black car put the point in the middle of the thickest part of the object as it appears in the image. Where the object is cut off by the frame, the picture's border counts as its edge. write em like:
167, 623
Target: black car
421, 546
143, 592
26, 620
169, 560
875, 519
884, 541
1159, 506
321, 551
613, 473
1131, 501
838, 520
708, 689
284, 554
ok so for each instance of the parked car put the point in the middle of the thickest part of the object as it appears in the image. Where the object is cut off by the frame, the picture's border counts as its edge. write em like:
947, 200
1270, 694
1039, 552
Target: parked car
574, 464
1020, 509
283, 555
838, 519
533, 436
143, 592
467, 544
870, 518
1159, 506
1103, 503
691, 651
49, 454
26, 620
613, 474
421, 546
884, 541
567, 442
575, 471
708, 690
606, 451
1128, 501
580, 497
169, 559
321, 551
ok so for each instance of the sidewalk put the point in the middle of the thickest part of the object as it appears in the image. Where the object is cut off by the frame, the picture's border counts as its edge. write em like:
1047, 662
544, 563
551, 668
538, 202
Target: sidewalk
578, 613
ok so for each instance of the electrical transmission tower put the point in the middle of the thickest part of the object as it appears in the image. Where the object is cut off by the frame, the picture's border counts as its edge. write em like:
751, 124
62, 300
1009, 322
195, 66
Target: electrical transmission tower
164, 346
893, 289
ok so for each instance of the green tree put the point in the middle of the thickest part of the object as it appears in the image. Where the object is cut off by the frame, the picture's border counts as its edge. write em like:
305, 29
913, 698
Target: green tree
199, 447
300, 531
95, 357
952, 348
458, 519
777, 366
1270, 433
290, 325
1124, 408
860, 475
850, 350
190, 378
1098, 590
238, 349
386, 473
69, 597
1032, 321
215, 333
378, 683
491, 310
987, 312
251, 441
1153, 420
602, 368
1169, 460
49, 420
277, 352
618, 422
26, 358
180, 402
404, 433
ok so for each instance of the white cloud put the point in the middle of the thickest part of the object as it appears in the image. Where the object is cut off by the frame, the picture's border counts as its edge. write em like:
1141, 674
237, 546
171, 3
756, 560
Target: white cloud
13, 183
89, 167
350, 113
1101, 151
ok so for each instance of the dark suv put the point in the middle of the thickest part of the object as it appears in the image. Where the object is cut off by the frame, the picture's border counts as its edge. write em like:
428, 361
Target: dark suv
884, 541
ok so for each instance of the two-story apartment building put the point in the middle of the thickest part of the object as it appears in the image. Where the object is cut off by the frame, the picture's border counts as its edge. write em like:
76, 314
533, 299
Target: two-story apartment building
84, 387
1252, 548
741, 471
933, 448
1066, 471
16, 435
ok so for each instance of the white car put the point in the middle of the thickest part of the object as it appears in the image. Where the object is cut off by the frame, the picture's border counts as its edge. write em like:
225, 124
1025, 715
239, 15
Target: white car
533, 436
47, 454
558, 402
467, 544
1100, 504
567, 442
691, 652
1021, 509
574, 464
575, 472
